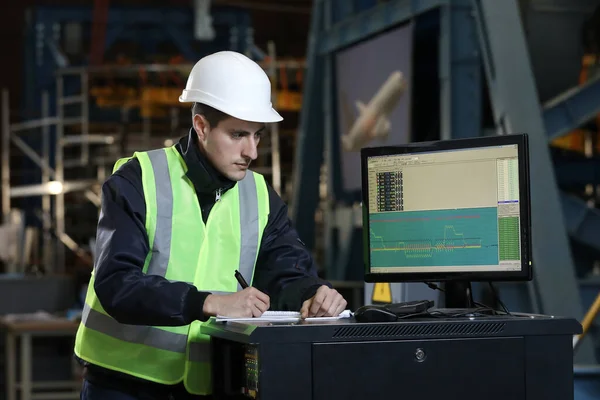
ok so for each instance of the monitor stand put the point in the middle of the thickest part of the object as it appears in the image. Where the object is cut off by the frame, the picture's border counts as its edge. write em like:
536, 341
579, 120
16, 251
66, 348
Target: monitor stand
459, 301
458, 294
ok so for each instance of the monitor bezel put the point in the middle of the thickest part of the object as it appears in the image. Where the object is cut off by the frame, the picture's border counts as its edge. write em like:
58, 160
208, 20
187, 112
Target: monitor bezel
526, 272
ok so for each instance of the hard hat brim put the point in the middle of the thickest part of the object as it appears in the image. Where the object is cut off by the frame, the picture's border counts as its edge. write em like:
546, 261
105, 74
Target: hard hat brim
262, 114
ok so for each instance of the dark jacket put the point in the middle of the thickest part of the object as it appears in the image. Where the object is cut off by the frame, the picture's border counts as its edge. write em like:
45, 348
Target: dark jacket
285, 269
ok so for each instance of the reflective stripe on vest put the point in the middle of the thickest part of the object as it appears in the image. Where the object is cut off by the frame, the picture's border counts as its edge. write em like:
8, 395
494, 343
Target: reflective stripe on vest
199, 352
147, 335
161, 248
160, 254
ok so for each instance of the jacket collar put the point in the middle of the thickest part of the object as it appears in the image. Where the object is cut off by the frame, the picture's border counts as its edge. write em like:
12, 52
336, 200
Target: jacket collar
204, 176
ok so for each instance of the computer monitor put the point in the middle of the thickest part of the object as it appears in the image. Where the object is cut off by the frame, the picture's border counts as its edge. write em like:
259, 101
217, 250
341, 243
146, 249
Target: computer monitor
450, 210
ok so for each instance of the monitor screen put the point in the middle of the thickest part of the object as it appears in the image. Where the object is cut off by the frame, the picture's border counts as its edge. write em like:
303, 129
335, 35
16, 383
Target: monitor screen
456, 209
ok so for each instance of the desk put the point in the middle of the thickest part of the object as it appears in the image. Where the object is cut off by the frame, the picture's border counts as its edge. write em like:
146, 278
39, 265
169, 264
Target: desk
519, 357
26, 330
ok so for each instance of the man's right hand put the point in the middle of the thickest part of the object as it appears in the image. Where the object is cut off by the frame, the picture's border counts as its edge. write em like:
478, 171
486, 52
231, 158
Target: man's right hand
249, 302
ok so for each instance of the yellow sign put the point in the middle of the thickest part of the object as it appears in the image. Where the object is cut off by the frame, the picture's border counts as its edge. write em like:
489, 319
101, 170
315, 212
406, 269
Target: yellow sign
382, 293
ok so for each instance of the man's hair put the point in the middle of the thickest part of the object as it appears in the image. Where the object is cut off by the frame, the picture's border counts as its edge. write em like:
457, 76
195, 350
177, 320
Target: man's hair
212, 115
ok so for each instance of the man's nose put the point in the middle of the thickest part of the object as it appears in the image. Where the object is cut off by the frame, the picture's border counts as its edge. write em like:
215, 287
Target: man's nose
250, 149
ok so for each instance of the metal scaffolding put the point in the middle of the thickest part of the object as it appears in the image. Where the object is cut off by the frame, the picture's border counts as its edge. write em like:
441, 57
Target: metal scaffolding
53, 183
71, 128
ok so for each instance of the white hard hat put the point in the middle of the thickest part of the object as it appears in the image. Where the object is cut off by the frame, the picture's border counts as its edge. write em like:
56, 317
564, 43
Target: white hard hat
231, 83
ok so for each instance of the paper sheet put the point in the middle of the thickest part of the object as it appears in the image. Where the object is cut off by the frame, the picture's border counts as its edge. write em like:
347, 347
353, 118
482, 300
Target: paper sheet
283, 316
343, 314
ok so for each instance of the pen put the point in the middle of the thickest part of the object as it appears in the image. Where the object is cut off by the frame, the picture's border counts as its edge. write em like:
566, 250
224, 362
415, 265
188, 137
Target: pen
240, 279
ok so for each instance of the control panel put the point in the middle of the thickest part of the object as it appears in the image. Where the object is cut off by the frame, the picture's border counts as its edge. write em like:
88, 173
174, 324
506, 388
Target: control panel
251, 371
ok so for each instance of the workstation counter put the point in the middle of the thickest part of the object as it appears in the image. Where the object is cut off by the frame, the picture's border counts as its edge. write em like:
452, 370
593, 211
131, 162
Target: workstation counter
517, 357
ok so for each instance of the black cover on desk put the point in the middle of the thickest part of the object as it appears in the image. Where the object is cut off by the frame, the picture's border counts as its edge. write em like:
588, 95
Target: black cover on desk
348, 329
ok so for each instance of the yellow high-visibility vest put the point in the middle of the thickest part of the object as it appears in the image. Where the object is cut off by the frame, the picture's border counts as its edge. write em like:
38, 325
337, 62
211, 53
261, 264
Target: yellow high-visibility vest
182, 248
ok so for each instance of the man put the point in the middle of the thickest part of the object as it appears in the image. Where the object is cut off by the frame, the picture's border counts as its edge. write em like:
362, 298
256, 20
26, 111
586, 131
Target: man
175, 225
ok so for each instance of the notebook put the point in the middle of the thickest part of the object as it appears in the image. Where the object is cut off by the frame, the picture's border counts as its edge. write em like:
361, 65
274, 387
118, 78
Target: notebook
283, 316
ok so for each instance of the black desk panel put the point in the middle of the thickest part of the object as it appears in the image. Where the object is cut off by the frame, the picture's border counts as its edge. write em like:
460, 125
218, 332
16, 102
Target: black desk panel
520, 357
374, 370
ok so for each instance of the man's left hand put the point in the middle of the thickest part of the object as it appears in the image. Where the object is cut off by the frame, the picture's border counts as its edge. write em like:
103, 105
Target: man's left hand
326, 302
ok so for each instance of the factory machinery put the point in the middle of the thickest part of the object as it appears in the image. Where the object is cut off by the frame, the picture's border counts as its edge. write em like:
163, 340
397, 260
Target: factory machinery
77, 117
465, 53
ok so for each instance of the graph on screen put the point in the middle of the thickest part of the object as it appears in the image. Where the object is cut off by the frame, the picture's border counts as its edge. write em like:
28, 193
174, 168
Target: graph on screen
436, 238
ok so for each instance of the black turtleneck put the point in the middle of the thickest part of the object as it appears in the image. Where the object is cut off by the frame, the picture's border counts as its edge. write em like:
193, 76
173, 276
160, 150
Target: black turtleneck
206, 179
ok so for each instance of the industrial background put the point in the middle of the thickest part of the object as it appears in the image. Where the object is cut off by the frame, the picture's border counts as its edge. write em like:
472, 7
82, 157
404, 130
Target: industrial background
84, 83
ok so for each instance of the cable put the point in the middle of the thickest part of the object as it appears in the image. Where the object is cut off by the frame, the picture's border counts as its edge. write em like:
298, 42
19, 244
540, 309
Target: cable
434, 286
498, 298
483, 311
476, 312
480, 306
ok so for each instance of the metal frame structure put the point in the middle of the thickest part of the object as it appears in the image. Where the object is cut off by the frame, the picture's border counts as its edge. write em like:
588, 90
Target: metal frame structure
473, 35
54, 185
53, 217
516, 108
48, 71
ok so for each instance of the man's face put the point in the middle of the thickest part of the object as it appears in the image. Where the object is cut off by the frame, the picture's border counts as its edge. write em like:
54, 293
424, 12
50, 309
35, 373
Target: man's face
231, 145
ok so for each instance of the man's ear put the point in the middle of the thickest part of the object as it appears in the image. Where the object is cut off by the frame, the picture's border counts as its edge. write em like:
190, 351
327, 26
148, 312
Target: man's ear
201, 126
